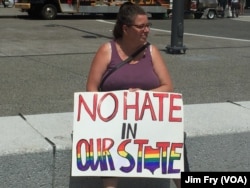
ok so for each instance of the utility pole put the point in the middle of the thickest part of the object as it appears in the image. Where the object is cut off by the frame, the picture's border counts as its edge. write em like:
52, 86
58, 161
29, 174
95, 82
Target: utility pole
177, 28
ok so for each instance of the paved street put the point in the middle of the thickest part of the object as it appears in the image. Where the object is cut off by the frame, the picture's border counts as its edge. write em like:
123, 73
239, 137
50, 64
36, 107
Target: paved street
44, 62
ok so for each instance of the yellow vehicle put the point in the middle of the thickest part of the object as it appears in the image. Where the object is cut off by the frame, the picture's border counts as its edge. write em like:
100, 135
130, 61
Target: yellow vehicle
48, 9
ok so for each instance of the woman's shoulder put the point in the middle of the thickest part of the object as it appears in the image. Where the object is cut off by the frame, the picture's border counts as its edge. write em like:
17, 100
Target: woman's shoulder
153, 48
105, 47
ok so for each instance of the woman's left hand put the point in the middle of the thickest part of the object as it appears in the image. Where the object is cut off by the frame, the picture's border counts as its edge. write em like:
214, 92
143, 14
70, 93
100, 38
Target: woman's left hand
134, 89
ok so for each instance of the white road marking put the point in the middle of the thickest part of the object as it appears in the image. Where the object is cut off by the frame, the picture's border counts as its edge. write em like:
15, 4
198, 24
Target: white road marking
197, 35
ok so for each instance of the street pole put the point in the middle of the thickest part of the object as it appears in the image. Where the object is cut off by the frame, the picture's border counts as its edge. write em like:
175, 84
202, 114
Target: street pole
177, 28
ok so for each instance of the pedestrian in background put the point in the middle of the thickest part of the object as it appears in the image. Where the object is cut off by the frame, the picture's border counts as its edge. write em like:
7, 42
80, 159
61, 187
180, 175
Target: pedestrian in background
242, 6
222, 4
235, 7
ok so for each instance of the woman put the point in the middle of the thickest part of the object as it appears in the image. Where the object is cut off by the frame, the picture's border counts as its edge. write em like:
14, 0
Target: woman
235, 7
242, 6
147, 71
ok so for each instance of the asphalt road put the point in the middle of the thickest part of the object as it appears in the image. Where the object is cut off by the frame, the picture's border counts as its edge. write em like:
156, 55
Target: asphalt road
44, 62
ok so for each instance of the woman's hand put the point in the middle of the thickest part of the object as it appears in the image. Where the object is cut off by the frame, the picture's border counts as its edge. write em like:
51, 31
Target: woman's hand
134, 89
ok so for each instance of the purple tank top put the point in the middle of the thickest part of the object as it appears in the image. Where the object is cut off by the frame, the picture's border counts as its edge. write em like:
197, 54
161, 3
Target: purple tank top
140, 75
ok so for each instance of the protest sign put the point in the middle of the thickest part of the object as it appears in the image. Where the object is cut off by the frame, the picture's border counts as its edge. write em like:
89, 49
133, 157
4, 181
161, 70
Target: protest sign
128, 134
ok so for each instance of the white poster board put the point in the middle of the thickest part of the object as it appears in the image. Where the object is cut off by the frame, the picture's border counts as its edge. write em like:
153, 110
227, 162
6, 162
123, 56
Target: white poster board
128, 134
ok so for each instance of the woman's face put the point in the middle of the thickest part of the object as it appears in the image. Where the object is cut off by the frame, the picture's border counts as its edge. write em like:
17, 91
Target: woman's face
138, 31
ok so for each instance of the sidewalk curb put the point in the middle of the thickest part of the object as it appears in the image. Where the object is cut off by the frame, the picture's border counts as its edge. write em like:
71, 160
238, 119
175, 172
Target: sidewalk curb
26, 155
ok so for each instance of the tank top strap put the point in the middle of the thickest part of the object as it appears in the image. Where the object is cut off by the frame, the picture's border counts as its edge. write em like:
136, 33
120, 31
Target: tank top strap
115, 58
112, 43
114, 52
